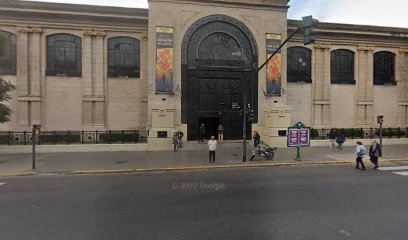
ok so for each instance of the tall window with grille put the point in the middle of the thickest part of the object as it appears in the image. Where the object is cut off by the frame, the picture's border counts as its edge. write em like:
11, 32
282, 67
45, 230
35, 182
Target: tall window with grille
384, 68
64, 55
342, 67
299, 65
8, 53
123, 57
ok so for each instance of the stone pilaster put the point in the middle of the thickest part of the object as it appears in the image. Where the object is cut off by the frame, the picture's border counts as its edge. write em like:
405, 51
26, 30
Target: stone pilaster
321, 85
98, 66
87, 63
364, 85
29, 76
402, 83
93, 110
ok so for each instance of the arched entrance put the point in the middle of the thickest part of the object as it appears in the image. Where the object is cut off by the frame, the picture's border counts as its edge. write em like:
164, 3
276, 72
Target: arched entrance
218, 54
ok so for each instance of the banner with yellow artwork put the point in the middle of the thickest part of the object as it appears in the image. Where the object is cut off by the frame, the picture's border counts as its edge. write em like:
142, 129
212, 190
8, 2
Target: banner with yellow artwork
273, 70
164, 59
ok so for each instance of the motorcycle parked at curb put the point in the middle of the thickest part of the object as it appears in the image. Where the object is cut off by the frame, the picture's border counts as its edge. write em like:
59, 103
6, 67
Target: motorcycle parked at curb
263, 152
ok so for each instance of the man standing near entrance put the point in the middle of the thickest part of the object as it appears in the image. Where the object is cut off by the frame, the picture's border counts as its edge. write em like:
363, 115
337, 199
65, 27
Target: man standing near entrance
220, 133
202, 133
212, 146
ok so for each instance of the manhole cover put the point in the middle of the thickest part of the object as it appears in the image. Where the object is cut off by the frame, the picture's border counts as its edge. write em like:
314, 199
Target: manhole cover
121, 162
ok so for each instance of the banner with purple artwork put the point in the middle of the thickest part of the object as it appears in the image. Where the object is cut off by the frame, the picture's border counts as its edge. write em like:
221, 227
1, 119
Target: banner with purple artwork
273, 68
164, 59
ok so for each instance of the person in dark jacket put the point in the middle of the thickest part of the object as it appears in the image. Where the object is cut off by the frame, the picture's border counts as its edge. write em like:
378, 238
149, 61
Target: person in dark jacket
332, 137
202, 133
340, 139
375, 153
257, 139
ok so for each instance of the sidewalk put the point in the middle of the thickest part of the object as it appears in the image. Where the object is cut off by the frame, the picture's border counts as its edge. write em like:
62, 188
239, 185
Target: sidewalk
228, 154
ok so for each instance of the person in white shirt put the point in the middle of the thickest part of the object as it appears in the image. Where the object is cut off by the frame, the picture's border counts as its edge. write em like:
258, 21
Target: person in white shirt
360, 152
212, 146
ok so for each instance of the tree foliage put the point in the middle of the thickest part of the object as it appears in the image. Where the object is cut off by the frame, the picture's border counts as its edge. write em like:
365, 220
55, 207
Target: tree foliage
5, 111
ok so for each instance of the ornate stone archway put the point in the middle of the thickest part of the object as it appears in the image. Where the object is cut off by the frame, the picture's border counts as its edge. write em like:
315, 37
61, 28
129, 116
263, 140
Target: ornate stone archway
218, 54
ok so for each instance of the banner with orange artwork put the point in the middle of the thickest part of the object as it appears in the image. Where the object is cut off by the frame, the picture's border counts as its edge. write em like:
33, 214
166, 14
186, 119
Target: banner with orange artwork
164, 59
273, 68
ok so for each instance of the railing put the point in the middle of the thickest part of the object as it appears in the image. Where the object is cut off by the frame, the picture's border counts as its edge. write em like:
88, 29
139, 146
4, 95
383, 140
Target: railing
361, 133
75, 137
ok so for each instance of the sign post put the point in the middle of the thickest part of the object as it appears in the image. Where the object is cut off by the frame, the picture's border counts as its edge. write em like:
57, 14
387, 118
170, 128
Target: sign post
34, 139
299, 136
380, 120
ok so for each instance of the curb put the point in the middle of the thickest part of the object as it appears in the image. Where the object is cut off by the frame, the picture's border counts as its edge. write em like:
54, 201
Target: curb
141, 170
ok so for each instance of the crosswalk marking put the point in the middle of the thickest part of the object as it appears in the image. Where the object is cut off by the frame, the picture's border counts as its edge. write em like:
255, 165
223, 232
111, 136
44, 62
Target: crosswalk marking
393, 168
401, 173
2, 183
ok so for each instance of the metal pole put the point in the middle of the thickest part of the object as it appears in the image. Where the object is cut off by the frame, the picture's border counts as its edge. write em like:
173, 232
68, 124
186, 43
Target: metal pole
244, 129
246, 82
33, 141
381, 133
298, 154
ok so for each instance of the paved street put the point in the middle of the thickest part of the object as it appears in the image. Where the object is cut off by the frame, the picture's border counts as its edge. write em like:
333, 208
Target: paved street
308, 202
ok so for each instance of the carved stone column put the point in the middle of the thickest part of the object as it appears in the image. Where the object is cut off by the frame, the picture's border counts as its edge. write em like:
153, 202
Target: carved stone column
321, 86
365, 87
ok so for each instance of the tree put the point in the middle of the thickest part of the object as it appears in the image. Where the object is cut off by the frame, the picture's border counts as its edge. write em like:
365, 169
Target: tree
5, 110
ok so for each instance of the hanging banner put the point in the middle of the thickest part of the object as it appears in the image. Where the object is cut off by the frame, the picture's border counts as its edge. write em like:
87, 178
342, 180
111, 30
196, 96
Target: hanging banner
273, 70
164, 59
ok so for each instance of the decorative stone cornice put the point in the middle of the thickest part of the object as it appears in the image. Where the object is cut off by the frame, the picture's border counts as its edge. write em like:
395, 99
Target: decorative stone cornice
366, 48
93, 33
403, 50
322, 46
29, 29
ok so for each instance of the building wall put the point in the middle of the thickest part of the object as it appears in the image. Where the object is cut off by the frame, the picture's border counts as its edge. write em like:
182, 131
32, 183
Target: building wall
94, 101
89, 102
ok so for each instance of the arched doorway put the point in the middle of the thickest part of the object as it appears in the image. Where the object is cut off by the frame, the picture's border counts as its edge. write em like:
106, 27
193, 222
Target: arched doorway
218, 54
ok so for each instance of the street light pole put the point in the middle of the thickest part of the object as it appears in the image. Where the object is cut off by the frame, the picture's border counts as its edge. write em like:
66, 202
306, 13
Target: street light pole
244, 109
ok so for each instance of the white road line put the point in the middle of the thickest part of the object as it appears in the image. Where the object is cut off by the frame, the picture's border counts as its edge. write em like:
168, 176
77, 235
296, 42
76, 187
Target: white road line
401, 173
2, 183
393, 168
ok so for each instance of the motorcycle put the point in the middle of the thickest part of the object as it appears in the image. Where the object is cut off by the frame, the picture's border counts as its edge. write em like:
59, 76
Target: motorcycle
263, 152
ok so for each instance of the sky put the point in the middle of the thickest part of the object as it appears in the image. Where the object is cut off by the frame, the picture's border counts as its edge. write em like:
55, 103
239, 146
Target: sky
390, 13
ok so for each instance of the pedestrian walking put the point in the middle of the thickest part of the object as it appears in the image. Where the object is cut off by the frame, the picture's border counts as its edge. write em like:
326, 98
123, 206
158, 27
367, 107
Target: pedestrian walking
332, 137
220, 133
375, 153
360, 152
180, 136
340, 139
201, 132
175, 141
212, 146
257, 139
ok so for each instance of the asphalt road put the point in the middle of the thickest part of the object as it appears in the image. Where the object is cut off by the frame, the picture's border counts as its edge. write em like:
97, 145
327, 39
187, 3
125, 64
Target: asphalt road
311, 202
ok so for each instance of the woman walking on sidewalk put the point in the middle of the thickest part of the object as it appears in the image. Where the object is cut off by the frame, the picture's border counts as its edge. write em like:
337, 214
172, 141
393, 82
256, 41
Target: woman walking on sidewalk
375, 153
360, 152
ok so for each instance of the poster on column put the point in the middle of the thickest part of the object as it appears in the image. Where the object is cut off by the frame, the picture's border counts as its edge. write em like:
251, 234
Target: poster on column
164, 59
273, 69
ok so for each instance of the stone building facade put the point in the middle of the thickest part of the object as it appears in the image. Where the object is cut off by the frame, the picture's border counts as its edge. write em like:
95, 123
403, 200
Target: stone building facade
96, 68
